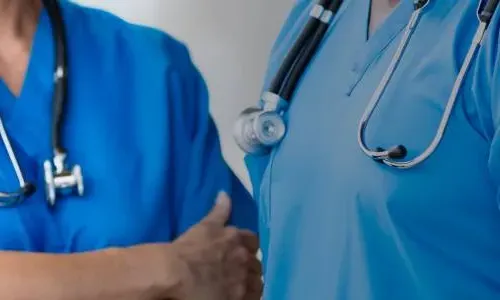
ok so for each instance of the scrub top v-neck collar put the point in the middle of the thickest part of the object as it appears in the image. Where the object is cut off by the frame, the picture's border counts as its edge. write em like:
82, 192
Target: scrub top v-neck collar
27, 117
371, 48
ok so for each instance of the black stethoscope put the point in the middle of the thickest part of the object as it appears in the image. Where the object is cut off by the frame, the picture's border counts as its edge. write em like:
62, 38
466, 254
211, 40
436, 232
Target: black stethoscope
258, 130
58, 179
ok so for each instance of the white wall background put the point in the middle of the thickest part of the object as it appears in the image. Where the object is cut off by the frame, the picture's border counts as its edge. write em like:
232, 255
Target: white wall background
230, 42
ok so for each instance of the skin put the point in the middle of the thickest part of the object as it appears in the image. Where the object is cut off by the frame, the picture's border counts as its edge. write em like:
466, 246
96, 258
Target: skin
210, 262
17, 28
380, 10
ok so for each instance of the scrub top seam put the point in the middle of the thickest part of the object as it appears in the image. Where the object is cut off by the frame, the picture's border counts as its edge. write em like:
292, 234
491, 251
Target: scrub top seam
268, 214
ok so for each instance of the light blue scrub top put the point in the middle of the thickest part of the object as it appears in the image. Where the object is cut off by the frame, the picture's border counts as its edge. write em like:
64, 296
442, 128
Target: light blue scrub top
137, 122
336, 225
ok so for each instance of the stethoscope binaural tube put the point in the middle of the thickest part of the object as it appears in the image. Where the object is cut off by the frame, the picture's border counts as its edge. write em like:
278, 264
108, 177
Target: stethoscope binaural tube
487, 12
8, 199
60, 74
310, 50
298, 46
398, 151
392, 157
26, 189
258, 130
59, 179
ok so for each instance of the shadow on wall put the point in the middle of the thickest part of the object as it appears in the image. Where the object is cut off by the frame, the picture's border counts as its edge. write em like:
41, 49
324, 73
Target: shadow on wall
229, 41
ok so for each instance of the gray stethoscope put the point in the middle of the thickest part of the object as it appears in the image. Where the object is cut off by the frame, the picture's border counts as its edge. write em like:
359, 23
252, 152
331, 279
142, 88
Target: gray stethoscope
258, 130
58, 179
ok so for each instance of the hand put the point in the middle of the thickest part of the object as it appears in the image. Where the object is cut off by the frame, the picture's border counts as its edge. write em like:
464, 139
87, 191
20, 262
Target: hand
218, 262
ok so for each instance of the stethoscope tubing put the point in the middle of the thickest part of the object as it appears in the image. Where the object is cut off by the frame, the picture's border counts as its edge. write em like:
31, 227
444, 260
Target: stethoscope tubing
303, 49
310, 50
383, 156
26, 189
285, 83
386, 79
60, 75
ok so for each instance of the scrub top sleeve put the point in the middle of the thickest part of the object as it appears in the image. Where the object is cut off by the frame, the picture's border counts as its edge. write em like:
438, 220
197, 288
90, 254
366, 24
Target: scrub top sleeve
487, 91
201, 171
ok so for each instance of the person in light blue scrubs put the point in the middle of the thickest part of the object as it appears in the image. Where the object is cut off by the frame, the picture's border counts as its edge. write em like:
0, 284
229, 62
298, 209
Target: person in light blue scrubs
337, 225
137, 122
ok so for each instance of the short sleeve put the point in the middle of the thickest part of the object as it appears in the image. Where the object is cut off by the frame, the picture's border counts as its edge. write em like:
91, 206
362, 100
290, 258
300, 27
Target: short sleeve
200, 169
487, 93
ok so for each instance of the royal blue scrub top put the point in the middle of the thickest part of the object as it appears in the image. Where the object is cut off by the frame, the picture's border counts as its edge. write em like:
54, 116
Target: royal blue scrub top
138, 124
335, 225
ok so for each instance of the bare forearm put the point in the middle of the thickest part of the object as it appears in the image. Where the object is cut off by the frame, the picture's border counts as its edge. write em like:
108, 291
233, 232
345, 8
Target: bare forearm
103, 275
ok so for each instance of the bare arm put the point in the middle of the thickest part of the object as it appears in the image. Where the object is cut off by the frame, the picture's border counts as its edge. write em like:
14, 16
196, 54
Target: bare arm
209, 261
125, 274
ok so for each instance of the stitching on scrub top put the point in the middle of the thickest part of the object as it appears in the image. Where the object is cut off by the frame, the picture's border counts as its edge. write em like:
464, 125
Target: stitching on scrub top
269, 182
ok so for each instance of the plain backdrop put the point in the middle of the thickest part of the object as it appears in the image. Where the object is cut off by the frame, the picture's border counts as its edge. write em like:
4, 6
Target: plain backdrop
230, 41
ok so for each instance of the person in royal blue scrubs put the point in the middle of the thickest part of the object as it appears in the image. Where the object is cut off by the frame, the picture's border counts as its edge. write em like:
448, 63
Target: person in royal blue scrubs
337, 225
137, 121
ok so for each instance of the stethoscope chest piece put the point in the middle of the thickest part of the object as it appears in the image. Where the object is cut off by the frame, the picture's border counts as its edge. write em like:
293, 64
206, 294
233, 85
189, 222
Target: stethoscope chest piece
257, 130
269, 128
59, 180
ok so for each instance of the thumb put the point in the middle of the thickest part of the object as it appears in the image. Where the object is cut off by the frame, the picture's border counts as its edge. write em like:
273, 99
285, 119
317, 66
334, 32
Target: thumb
221, 211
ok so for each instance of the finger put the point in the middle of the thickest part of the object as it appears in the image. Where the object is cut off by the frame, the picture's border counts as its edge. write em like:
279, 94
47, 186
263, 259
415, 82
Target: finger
221, 211
253, 296
239, 256
238, 292
255, 287
255, 266
254, 283
250, 240
237, 276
